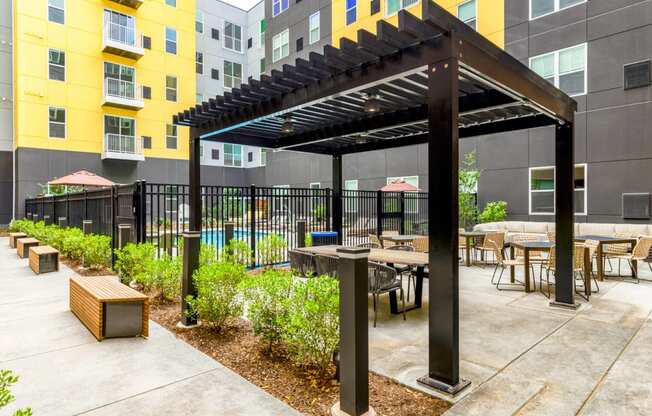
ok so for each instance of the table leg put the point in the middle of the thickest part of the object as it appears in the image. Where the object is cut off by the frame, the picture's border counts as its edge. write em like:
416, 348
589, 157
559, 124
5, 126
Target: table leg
587, 273
634, 264
527, 269
418, 294
468, 251
600, 260
512, 274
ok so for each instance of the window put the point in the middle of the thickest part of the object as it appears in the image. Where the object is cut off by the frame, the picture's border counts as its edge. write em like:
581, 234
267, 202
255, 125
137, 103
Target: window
565, 69
315, 185
56, 65
539, 8
467, 13
201, 150
119, 80
215, 154
393, 6
232, 154
351, 200
232, 74
313, 28
542, 190
299, 45
262, 65
215, 34
199, 62
350, 11
199, 21
263, 157
279, 6
172, 3
637, 75
250, 157
120, 134
147, 142
170, 136
57, 11
57, 122
147, 92
232, 37
170, 40
262, 27
170, 88
215, 73
120, 27
281, 45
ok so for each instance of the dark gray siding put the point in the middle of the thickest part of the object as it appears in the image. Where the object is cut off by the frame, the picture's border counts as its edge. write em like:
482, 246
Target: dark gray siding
6, 186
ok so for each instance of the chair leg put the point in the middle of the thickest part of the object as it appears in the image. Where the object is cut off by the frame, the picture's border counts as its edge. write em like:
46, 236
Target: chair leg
403, 305
374, 297
494, 275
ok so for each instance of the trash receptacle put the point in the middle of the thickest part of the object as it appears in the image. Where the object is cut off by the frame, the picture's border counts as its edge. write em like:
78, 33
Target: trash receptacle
323, 238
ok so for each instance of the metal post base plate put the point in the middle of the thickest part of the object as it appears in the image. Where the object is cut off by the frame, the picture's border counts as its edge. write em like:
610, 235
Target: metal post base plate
336, 411
572, 306
181, 325
444, 387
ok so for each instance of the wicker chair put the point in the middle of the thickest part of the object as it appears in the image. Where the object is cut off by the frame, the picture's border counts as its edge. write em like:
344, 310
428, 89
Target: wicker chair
503, 263
498, 238
537, 258
578, 267
551, 236
420, 244
303, 263
615, 252
373, 238
593, 249
402, 268
384, 279
640, 253
326, 265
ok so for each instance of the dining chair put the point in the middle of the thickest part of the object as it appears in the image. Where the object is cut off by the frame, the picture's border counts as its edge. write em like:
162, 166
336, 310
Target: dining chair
593, 249
373, 238
384, 279
503, 263
578, 268
486, 247
404, 268
640, 252
420, 244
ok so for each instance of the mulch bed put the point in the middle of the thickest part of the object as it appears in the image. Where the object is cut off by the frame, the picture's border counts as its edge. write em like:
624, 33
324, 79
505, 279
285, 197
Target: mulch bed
77, 267
304, 389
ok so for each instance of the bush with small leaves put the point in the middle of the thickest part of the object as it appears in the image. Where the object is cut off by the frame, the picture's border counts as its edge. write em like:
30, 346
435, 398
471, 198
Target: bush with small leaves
96, 251
133, 260
271, 249
164, 276
238, 252
7, 378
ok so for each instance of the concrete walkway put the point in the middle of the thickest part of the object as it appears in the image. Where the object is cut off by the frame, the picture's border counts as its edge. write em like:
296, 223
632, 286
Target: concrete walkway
63, 370
526, 358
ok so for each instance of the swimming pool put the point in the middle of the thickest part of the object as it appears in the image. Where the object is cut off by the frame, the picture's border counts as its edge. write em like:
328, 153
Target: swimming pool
216, 237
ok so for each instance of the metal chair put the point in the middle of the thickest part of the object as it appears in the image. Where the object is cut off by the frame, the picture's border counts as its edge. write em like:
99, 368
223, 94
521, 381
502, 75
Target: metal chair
504, 263
384, 279
640, 252
303, 263
326, 265
593, 248
578, 268
400, 269
486, 247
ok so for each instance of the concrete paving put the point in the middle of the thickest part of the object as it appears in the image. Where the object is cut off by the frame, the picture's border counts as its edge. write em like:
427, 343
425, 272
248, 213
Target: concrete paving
63, 370
524, 357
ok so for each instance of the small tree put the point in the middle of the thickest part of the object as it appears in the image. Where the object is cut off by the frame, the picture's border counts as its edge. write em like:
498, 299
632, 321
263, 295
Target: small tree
468, 184
494, 212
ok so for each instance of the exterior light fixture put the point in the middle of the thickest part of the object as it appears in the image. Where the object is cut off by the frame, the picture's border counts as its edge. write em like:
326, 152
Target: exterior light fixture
362, 138
287, 126
372, 104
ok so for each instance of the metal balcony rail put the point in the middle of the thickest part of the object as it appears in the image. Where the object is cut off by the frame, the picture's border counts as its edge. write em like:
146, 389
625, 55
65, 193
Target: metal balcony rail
124, 35
120, 143
118, 88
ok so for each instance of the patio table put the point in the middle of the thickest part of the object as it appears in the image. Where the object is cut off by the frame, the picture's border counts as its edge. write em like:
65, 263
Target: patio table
470, 236
602, 240
390, 257
400, 239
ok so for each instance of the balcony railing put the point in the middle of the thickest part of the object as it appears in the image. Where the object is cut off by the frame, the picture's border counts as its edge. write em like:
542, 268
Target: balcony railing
122, 93
120, 146
130, 3
123, 40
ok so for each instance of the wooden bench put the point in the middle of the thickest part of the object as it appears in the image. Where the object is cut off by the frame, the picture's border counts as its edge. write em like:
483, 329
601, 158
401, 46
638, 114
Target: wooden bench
43, 259
15, 236
23, 245
108, 308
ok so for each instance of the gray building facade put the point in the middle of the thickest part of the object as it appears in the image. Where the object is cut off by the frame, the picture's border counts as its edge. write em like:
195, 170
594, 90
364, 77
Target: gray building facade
6, 113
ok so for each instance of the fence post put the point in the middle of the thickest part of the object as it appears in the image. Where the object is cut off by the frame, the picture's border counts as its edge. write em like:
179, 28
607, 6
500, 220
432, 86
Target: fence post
379, 214
87, 226
54, 209
85, 204
228, 233
252, 224
46, 219
301, 233
329, 199
124, 235
63, 222
35, 217
113, 215
139, 209
67, 207
354, 336
402, 205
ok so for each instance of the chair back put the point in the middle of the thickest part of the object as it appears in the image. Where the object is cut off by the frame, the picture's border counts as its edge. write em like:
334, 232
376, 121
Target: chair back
368, 245
552, 258
551, 236
497, 249
401, 247
496, 237
642, 249
380, 277
373, 238
326, 265
578, 256
420, 244
593, 247
522, 238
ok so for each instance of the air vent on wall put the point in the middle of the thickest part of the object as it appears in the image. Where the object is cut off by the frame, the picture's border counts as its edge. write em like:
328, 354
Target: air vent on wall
636, 206
638, 75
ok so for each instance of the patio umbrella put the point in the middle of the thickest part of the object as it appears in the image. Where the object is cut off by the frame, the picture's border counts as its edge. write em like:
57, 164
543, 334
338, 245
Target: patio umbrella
399, 185
82, 178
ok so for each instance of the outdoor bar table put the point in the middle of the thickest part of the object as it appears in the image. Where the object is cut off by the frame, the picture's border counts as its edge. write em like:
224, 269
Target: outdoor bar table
470, 236
379, 255
544, 246
602, 240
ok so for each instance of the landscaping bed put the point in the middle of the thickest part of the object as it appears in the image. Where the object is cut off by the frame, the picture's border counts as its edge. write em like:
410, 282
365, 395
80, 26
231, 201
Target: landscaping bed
306, 390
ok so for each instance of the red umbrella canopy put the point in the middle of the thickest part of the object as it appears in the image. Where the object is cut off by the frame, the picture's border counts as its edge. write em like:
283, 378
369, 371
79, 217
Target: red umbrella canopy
82, 178
399, 185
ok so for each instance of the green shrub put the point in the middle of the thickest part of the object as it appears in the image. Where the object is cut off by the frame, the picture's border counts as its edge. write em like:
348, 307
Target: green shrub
164, 276
267, 295
312, 329
271, 249
238, 252
207, 254
96, 251
493, 212
307, 241
6, 380
132, 261
217, 293
72, 245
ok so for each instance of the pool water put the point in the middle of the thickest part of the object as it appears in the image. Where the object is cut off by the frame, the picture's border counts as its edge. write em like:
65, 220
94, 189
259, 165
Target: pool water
216, 237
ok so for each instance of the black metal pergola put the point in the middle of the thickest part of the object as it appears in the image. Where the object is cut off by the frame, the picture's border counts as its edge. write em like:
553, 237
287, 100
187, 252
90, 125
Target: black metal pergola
432, 80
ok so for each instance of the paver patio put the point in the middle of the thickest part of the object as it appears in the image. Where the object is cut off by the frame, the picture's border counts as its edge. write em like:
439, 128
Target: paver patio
63, 370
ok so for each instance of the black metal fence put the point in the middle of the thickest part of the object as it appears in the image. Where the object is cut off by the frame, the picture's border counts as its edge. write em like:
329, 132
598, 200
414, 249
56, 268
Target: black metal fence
159, 213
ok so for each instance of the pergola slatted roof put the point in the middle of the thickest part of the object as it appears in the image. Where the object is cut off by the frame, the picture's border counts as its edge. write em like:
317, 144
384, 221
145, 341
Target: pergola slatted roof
324, 96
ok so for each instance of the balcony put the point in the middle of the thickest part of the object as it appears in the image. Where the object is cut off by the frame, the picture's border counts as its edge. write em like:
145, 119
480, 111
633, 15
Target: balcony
131, 3
123, 94
121, 147
122, 40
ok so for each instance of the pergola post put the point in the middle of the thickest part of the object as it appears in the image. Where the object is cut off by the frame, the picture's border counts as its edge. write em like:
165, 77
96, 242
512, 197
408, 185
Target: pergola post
443, 287
564, 215
192, 237
337, 197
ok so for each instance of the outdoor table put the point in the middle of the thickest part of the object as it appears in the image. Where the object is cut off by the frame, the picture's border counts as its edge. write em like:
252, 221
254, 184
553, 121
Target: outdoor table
545, 246
602, 240
400, 239
379, 255
470, 236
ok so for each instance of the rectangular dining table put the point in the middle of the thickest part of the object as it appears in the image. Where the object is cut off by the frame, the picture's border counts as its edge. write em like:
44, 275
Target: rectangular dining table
602, 240
470, 236
390, 257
